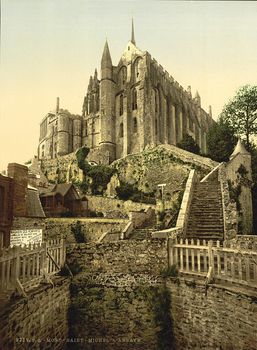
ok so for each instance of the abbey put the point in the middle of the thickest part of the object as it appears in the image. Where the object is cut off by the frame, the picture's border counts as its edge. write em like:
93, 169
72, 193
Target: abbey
133, 105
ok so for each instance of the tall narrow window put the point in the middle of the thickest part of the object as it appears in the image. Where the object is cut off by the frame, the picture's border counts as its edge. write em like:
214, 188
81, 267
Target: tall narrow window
135, 125
156, 100
121, 130
134, 99
86, 130
121, 104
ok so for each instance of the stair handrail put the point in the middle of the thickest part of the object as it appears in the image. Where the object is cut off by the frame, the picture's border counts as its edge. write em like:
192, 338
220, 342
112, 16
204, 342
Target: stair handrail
187, 199
206, 177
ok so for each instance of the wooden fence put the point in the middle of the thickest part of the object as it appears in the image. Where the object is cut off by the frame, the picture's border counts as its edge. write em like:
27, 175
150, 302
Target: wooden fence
24, 267
209, 258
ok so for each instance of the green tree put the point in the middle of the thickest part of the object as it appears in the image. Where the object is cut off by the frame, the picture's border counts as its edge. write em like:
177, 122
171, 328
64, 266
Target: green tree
101, 176
241, 112
189, 144
221, 141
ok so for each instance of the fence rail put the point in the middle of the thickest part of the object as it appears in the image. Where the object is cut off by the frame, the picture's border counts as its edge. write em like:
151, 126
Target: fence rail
27, 266
227, 264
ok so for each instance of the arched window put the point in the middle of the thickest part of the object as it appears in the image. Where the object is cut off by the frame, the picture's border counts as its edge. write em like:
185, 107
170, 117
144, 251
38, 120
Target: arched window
137, 68
157, 100
121, 104
156, 126
121, 130
134, 99
135, 125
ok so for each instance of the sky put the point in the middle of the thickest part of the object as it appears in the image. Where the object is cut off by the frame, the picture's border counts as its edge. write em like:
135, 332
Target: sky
50, 48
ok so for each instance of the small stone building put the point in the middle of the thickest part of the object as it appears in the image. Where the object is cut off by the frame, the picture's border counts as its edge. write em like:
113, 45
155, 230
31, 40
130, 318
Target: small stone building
63, 200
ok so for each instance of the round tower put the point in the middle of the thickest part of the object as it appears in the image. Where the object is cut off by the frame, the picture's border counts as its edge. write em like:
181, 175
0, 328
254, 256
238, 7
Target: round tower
107, 105
77, 132
63, 134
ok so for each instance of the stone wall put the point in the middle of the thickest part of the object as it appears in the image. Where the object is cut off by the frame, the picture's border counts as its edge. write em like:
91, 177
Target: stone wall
243, 242
239, 173
39, 322
128, 256
119, 312
62, 169
91, 228
213, 318
108, 206
163, 164
230, 214
121, 294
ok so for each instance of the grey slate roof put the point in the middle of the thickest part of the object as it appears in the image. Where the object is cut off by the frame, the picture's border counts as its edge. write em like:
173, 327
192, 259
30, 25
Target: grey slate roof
34, 207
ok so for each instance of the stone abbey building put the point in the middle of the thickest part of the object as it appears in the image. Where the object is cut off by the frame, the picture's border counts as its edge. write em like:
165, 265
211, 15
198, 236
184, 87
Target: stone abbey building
133, 105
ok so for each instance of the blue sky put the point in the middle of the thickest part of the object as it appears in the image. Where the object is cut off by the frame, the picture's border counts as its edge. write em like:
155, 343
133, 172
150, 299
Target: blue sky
49, 48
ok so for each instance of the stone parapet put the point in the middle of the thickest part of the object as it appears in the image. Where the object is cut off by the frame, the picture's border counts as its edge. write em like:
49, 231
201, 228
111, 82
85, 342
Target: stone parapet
186, 201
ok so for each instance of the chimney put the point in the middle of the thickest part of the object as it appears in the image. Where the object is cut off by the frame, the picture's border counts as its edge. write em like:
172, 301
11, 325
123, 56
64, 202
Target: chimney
19, 174
57, 105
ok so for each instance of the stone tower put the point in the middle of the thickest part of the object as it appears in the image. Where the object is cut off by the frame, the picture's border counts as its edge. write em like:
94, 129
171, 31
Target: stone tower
107, 100
239, 172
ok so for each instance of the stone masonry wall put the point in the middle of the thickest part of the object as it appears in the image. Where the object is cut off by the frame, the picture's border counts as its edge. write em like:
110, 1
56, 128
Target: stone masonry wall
39, 322
120, 294
114, 312
91, 228
128, 256
213, 318
107, 205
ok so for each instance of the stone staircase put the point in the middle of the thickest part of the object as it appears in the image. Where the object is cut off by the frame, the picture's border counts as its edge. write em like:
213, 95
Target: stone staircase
206, 214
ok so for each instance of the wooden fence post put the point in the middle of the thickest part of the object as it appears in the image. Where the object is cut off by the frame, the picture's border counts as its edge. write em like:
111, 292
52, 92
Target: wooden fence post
210, 256
17, 263
63, 252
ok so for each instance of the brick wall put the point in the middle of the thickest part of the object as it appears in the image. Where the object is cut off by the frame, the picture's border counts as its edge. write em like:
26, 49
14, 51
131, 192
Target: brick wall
19, 173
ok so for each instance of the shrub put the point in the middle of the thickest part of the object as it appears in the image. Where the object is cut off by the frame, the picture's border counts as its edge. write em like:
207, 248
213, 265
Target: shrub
77, 232
171, 271
189, 144
81, 154
101, 176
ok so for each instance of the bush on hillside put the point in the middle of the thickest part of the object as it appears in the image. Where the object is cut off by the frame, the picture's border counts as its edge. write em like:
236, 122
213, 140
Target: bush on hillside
189, 144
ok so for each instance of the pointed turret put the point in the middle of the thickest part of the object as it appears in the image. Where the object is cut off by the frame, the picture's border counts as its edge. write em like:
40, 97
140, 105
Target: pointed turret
240, 148
57, 105
95, 75
210, 111
133, 34
90, 85
106, 61
197, 98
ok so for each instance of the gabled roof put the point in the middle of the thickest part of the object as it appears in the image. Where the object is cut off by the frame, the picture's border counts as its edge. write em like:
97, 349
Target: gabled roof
61, 189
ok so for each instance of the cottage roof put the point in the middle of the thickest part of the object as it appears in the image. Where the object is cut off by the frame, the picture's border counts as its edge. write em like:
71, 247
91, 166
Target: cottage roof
61, 189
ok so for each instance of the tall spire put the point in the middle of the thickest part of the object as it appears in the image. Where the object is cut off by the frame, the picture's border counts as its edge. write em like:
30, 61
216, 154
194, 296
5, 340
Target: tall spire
133, 34
106, 57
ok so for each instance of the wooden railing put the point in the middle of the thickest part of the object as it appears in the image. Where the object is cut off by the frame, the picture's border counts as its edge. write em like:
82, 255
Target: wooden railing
25, 267
211, 260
